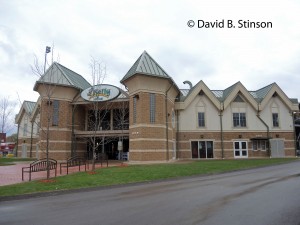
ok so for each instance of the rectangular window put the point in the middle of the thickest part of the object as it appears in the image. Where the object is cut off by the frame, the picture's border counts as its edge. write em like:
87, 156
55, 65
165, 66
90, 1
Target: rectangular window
38, 128
25, 130
134, 109
239, 119
275, 120
55, 114
152, 108
260, 145
201, 119
202, 149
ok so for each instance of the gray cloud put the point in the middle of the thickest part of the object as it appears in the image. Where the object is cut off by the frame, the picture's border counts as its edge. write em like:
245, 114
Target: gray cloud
117, 32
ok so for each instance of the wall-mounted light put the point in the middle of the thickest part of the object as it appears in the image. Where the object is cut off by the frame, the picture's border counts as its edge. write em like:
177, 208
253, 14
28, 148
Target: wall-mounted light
201, 136
240, 136
277, 135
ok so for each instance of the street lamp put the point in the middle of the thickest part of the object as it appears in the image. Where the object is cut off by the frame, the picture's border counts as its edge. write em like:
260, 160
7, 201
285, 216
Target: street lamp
48, 49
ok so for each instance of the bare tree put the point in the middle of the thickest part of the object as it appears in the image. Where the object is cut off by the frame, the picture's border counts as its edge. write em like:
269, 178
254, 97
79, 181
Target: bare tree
98, 112
48, 84
7, 108
121, 121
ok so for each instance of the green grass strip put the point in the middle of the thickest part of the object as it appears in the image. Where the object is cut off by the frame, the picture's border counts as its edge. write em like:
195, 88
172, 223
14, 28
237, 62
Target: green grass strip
4, 161
136, 173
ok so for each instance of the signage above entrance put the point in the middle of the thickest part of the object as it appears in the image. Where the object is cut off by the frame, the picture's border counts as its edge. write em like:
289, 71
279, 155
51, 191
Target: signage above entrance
100, 93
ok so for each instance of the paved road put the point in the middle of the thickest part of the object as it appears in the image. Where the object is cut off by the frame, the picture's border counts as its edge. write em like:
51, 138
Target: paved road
268, 195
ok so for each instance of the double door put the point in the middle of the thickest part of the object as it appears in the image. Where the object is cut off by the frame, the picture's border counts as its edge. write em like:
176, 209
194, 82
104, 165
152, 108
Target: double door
202, 149
240, 149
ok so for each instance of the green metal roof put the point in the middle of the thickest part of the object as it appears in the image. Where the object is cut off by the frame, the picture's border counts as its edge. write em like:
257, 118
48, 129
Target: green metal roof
29, 106
221, 95
294, 100
75, 79
260, 94
146, 65
61, 75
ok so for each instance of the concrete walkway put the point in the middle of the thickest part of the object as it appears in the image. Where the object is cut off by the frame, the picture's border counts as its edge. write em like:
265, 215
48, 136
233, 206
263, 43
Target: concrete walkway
12, 174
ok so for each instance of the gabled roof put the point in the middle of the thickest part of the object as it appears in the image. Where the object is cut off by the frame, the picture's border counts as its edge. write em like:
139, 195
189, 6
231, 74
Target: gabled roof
146, 65
58, 74
274, 90
257, 98
187, 96
260, 94
223, 94
27, 108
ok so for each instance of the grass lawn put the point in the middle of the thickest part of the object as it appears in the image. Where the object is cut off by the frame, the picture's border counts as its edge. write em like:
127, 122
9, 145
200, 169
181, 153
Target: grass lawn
4, 161
136, 173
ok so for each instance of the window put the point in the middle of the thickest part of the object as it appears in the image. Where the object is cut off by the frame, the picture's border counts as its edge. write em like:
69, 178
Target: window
25, 130
55, 114
25, 127
239, 119
152, 108
134, 109
201, 119
260, 145
275, 120
38, 128
202, 149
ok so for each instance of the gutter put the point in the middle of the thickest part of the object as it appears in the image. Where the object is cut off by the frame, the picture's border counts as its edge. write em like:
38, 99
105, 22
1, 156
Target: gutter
31, 135
222, 137
16, 154
268, 130
167, 125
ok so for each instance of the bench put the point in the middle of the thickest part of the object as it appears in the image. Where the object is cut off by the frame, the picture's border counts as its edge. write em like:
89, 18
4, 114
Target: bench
72, 162
39, 165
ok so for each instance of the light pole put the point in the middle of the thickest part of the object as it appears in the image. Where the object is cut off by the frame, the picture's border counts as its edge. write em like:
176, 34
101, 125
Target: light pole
48, 50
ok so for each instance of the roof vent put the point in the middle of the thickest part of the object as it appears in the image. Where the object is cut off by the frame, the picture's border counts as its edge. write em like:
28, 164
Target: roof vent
189, 83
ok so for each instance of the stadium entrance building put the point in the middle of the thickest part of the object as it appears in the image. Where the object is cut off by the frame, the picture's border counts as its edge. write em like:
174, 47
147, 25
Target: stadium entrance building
154, 120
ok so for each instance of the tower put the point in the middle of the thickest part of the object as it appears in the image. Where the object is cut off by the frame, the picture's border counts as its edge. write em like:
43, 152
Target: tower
152, 130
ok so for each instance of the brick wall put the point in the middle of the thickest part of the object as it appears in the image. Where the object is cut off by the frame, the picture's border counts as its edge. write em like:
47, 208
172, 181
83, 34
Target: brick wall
185, 138
148, 141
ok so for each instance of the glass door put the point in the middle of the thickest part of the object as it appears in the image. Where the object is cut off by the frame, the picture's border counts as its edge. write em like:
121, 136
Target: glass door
202, 149
240, 149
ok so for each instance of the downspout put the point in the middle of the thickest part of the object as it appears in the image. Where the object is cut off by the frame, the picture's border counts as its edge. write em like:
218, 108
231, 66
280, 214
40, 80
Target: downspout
221, 127
30, 153
177, 134
167, 125
73, 135
268, 130
295, 135
16, 153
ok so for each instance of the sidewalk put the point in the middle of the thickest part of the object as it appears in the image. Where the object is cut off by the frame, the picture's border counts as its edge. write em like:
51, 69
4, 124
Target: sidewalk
12, 174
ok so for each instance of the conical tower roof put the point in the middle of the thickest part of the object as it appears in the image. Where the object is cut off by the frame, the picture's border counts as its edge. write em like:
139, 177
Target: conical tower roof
146, 65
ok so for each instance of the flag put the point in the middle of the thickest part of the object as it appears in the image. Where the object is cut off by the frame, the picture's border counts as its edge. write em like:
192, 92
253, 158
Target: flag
48, 49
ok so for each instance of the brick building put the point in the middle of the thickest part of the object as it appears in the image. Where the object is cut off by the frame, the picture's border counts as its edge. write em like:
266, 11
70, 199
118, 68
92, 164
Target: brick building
154, 120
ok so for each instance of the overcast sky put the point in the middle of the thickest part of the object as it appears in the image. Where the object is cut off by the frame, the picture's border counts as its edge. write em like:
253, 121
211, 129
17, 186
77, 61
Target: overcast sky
117, 32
